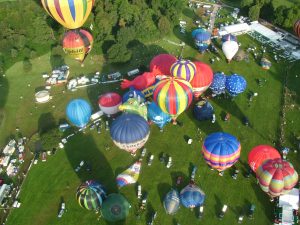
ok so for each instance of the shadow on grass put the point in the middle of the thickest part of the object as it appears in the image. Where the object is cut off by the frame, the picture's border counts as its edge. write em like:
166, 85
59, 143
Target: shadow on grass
184, 179
4, 89
46, 122
218, 206
163, 189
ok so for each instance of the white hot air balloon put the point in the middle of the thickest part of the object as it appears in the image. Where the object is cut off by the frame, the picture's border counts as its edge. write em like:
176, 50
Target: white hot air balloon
230, 48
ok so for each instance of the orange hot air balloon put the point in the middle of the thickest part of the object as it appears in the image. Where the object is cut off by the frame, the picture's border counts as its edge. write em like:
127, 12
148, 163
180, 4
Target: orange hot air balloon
77, 44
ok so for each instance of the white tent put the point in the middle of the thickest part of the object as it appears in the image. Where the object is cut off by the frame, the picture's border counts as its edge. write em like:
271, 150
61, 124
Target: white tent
42, 96
236, 29
291, 199
266, 32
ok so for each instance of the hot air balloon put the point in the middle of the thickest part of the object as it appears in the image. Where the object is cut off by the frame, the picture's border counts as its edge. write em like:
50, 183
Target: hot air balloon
230, 48
202, 79
109, 103
162, 64
203, 110
235, 84
276, 177
202, 39
265, 63
90, 195
261, 153
130, 175
133, 93
171, 202
297, 28
129, 132
218, 84
115, 208
221, 150
133, 105
79, 112
229, 37
184, 69
192, 196
173, 96
77, 44
71, 14
156, 115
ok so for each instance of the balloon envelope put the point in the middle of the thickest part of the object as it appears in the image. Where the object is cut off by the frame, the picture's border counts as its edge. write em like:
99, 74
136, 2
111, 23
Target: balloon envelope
70, 14
133, 93
171, 202
230, 48
184, 69
229, 37
218, 84
265, 63
297, 28
235, 84
203, 110
192, 196
163, 63
221, 150
202, 39
115, 208
276, 177
79, 112
109, 103
157, 116
130, 175
202, 79
133, 105
261, 153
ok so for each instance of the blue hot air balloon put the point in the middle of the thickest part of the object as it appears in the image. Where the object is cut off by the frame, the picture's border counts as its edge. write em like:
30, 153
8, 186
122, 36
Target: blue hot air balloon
228, 37
171, 202
157, 116
192, 196
130, 132
133, 93
203, 110
202, 39
79, 112
218, 84
235, 84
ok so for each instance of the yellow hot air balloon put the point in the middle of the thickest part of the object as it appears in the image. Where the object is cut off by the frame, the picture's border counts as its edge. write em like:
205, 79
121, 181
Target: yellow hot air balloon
71, 14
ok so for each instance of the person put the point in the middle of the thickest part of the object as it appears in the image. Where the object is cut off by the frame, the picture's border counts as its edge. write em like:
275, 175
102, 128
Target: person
227, 117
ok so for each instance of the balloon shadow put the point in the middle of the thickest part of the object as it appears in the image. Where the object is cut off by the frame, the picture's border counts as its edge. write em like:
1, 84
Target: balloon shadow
163, 189
218, 206
179, 180
4, 90
46, 122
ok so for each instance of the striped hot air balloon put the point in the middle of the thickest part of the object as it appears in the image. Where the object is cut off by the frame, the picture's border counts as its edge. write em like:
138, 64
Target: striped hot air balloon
276, 177
130, 175
77, 44
265, 63
297, 28
184, 69
221, 150
90, 195
173, 95
71, 14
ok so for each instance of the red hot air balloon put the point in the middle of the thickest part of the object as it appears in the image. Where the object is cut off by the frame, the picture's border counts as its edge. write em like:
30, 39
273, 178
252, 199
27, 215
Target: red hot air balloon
163, 63
261, 153
202, 79
297, 28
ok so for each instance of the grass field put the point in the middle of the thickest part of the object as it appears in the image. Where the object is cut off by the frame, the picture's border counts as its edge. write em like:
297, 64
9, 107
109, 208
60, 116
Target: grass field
47, 183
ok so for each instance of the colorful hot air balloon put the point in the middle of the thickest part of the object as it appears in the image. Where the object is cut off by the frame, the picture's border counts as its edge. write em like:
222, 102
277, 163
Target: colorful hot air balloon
202, 79
129, 132
79, 112
276, 177
162, 64
133, 93
218, 84
202, 39
228, 37
184, 69
109, 103
203, 110
173, 96
261, 153
221, 150
90, 195
230, 48
297, 28
77, 44
265, 63
192, 196
235, 84
71, 14
157, 116
130, 175
171, 202
115, 208
133, 105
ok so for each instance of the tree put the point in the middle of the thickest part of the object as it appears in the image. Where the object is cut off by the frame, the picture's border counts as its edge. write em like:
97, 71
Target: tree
254, 12
246, 3
164, 25
125, 35
118, 53
14, 53
27, 66
50, 139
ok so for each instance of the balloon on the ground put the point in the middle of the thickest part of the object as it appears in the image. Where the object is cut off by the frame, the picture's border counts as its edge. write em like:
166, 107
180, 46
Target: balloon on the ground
221, 150
162, 64
140, 82
192, 196
230, 48
218, 84
157, 116
130, 175
184, 69
77, 44
203, 110
90, 195
133, 105
201, 39
79, 112
133, 93
70, 14
265, 63
173, 95
109, 103
115, 208
202, 79
229, 37
129, 132
276, 177
297, 28
171, 202
261, 153
235, 84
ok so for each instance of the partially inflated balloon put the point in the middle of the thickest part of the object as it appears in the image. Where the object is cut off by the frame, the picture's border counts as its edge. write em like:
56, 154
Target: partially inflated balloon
230, 48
